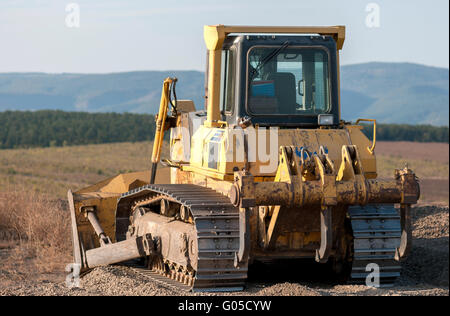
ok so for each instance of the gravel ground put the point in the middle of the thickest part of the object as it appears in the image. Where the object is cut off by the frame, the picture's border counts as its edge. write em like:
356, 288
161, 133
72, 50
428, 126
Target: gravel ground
424, 273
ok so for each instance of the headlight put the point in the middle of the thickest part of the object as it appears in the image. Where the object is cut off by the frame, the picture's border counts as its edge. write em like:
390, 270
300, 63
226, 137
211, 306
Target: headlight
326, 119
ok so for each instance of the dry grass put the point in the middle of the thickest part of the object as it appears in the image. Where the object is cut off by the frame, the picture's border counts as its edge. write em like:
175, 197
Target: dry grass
424, 168
55, 170
428, 160
410, 150
41, 229
33, 188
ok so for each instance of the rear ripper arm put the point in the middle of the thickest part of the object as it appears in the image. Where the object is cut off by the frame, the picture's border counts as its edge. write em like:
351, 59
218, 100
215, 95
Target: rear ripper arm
321, 184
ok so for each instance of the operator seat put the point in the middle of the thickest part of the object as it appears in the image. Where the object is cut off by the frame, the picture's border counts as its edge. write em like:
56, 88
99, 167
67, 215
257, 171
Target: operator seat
285, 91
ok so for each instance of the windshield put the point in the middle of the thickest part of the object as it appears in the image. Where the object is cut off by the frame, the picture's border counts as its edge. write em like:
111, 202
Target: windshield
288, 80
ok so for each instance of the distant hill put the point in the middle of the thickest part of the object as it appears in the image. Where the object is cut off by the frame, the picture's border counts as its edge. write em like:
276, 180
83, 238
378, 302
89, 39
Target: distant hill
395, 93
136, 92
390, 92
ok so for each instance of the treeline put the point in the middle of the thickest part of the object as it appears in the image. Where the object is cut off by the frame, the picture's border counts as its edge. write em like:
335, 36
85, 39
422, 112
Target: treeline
58, 128
413, 133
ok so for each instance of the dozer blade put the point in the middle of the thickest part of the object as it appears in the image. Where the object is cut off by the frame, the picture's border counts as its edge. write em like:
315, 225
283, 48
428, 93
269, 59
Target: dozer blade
77, 253
93, 218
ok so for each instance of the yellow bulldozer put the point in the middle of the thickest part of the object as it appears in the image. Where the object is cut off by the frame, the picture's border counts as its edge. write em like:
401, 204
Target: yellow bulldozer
268, 171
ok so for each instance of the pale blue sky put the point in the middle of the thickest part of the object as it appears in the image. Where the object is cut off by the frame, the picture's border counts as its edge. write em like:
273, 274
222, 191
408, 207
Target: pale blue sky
125, 35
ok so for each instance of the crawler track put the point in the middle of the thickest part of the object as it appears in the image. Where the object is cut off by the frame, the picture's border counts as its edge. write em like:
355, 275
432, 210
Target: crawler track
217, 225
377, 235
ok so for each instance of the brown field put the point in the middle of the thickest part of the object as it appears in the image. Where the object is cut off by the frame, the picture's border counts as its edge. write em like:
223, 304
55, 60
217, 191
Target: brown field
415, 151
430, 161
34, 248
52, 171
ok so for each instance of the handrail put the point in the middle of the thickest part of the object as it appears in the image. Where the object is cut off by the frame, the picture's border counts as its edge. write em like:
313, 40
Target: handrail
374, 141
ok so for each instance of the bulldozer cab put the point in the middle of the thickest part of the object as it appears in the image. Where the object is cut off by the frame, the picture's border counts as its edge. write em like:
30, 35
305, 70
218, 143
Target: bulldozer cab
273, 76
280, 80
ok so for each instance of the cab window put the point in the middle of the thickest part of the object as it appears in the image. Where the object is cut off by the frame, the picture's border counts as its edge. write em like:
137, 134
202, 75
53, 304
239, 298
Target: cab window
228, 79
288, 81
